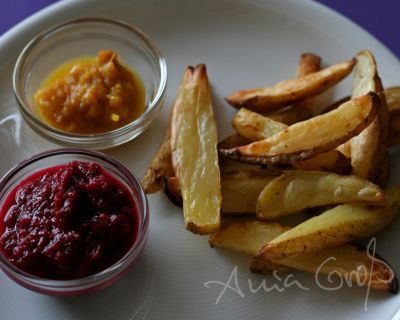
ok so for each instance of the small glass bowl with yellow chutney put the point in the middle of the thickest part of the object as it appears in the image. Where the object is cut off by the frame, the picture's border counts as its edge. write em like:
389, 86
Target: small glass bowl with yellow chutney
93, 83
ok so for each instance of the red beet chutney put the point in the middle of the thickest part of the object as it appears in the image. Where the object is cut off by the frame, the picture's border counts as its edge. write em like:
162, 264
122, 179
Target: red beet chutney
68, 222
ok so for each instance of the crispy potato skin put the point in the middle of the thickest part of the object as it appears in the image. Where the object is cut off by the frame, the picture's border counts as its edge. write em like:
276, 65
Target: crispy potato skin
262, 266
194, 152
334, 227
311, 137
173, 190
293, 114
290, 91
160, 167
394, 130
330, 161
383, 175
233, 141
309, 63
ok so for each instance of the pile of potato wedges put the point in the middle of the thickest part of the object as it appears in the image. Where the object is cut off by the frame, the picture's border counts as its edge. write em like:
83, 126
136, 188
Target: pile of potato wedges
283, 159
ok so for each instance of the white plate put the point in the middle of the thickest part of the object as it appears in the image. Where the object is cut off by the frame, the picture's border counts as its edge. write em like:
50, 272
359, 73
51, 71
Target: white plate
244, 44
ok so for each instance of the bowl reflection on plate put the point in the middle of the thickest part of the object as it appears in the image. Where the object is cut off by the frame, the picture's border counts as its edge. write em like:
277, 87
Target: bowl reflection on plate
86, 37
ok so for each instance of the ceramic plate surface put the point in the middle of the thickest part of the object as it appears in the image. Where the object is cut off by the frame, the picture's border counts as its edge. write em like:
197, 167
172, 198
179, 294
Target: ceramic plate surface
244, 44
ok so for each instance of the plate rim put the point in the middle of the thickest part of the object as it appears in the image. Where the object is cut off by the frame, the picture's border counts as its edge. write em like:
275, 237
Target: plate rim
10, 37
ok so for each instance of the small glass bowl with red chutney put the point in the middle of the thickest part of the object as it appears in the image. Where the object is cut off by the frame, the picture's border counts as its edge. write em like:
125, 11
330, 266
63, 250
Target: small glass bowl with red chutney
72, 221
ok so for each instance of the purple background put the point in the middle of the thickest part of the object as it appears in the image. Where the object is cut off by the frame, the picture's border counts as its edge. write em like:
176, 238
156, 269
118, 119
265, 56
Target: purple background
380, 18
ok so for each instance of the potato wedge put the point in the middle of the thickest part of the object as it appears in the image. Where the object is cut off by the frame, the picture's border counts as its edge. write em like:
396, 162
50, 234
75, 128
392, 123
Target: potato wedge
392, 95
331, 161
160, 167
369, 147
345, 150
384, 174
350, 261
226, 164
194, 152
367, 152
239, 189
245, 235
290, 91
262, 266
290, 115
394, 130
301, 110
233, 141
334, 227
173, 190
253, 126
311, 137
248, 236
296, 190
309, 63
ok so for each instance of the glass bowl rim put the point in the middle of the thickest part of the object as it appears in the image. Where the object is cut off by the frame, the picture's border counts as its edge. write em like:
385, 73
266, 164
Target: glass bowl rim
111, 271
136, 124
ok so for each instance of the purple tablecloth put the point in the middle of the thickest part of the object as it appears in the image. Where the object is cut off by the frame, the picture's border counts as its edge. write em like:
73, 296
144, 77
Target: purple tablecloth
380, 18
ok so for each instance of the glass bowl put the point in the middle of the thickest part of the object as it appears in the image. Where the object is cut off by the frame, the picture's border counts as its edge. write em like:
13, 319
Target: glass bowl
81, 38
105, 277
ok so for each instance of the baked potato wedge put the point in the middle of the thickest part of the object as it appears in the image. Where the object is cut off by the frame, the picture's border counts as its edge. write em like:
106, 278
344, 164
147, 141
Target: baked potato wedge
392, 95
254, 126
308, 138
296, 190
245, 235
334, 227
232, 141
194, 152
350, 261
330, 161
239, 189
394, 130
261, 266
173, 190
369, 147
160, 166
226, 164
248, 236
290, 115
290, 91
308, 63
301, 110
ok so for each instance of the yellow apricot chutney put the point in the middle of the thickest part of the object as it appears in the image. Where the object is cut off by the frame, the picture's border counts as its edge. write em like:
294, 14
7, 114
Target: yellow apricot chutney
91, 95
